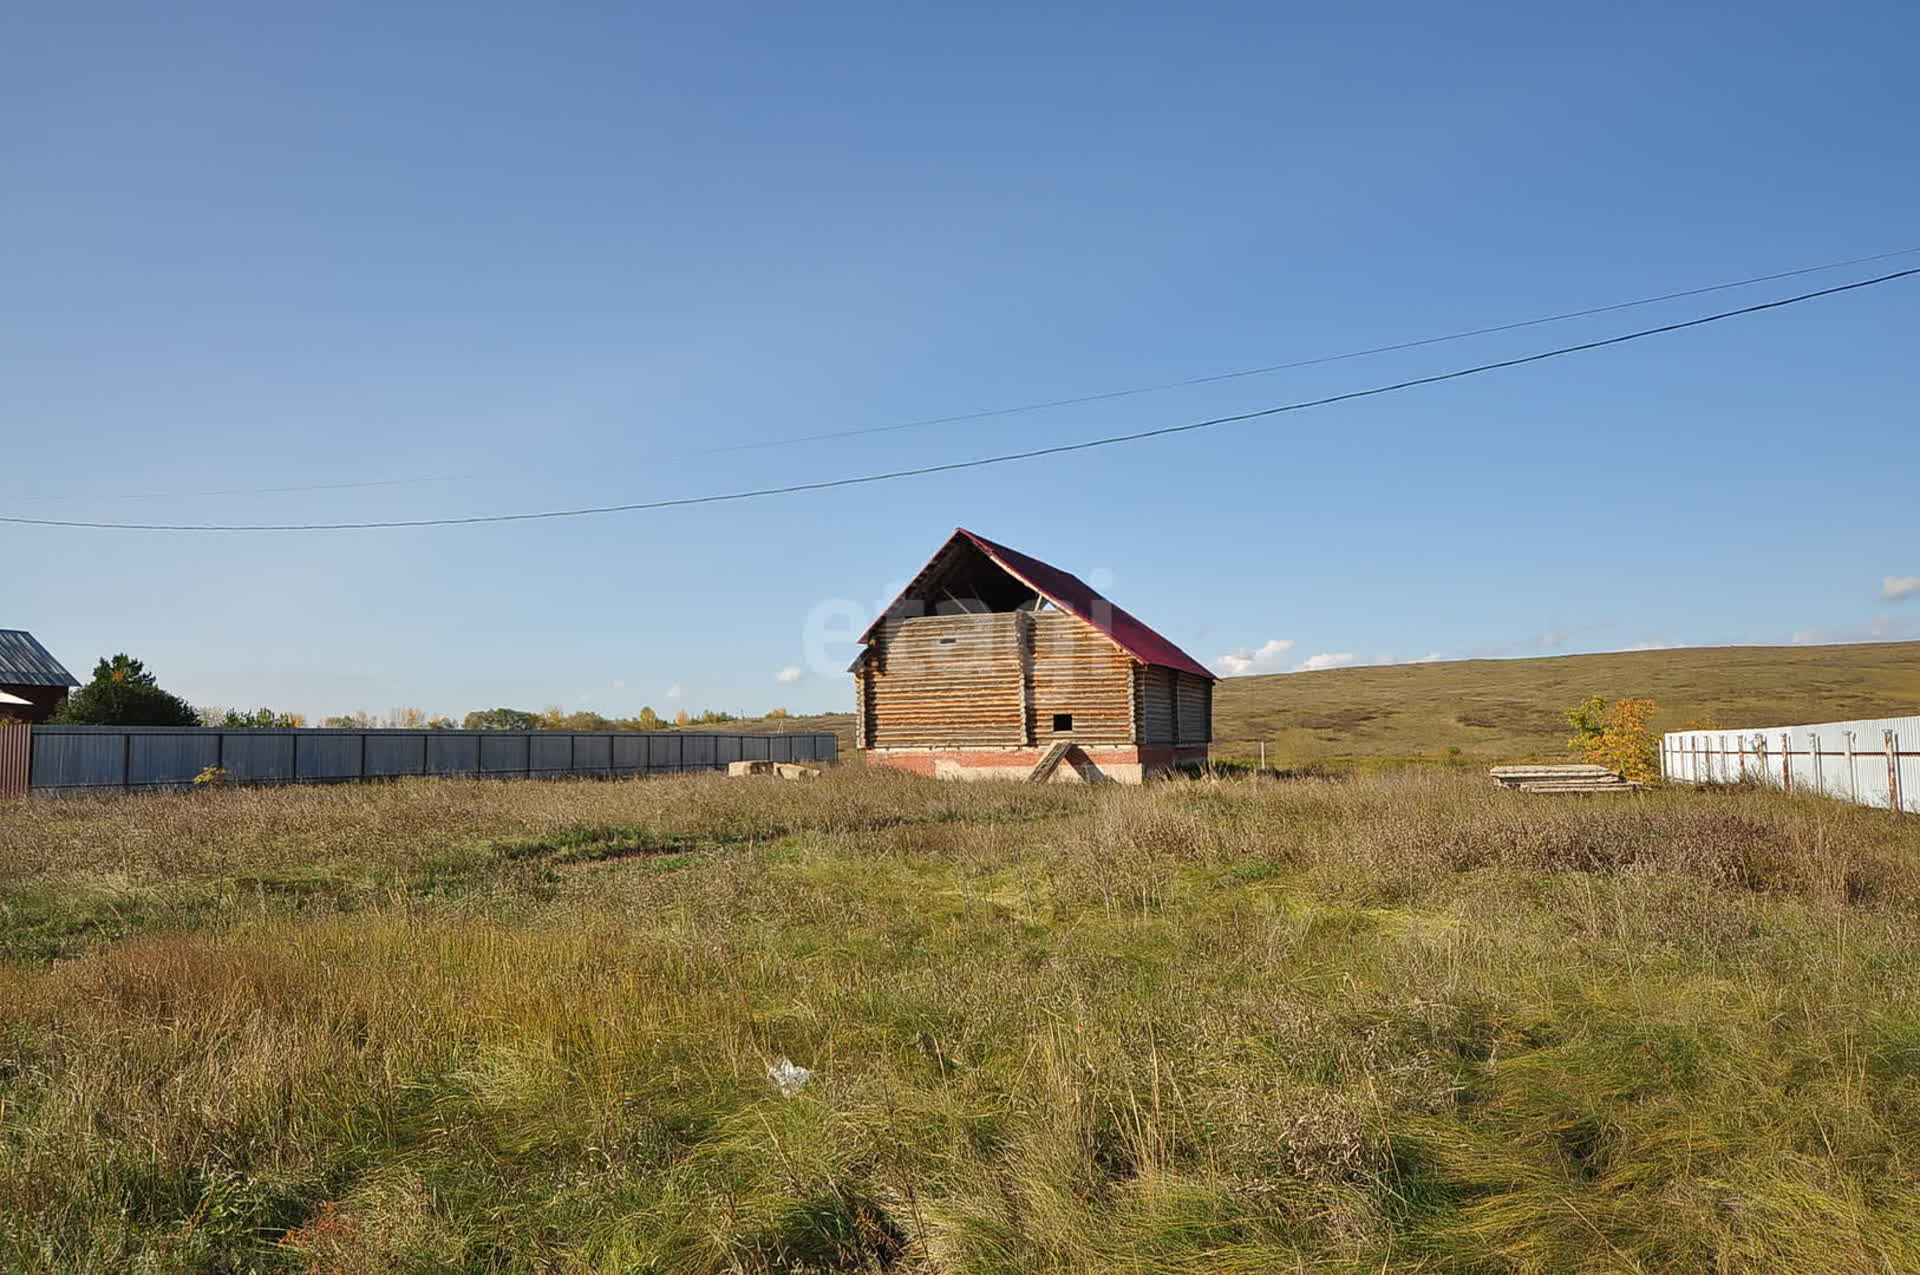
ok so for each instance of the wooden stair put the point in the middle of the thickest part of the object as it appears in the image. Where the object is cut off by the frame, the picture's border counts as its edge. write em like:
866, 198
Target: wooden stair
1050, 759
1561, 779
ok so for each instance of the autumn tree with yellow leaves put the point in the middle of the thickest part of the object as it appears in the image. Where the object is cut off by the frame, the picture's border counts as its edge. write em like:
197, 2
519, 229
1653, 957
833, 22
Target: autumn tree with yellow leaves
1617, 735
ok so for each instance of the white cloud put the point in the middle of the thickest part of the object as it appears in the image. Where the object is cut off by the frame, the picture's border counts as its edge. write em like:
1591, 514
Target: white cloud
673, 692
1433, 657
791, 673
1652, 645
1325, 660
1264, 659
619, 684
1893, 588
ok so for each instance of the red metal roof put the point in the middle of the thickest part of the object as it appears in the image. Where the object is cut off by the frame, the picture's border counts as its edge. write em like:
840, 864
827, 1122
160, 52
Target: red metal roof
1072, 594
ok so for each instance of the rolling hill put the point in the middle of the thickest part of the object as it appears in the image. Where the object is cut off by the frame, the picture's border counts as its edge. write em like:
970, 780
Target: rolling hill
1510, 710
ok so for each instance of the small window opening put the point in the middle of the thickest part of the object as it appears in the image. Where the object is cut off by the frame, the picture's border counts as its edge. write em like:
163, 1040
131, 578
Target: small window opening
948, 641
1063, 721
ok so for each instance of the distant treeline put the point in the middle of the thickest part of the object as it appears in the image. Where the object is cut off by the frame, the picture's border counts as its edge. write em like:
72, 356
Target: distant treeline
552, 717
123, 693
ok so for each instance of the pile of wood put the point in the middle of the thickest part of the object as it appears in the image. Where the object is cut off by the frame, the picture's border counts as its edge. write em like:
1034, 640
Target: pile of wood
1561, 779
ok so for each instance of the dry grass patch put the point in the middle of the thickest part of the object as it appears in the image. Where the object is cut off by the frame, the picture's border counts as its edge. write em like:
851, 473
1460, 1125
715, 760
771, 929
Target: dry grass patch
1403, 1023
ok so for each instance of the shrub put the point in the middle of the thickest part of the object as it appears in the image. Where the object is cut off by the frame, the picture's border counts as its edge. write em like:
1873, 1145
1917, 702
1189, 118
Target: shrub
1617, 736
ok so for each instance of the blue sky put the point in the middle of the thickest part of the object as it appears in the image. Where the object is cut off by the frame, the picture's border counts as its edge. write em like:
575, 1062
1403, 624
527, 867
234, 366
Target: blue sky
517, 257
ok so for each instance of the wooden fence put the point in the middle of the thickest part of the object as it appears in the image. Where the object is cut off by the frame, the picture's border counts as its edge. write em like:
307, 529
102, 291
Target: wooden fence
54, 759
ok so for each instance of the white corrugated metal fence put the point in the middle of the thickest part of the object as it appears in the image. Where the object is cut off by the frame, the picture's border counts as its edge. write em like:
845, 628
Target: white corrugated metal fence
1874, 762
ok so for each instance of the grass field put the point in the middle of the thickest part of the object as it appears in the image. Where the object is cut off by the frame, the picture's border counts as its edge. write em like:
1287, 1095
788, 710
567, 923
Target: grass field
1511, 710
1400, 1022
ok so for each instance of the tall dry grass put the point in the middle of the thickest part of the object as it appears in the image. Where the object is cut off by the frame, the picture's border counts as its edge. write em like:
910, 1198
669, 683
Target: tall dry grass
1404, 1023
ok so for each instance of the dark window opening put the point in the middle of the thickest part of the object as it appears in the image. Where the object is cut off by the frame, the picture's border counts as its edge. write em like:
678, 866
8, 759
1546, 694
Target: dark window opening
1063, 721
948, 641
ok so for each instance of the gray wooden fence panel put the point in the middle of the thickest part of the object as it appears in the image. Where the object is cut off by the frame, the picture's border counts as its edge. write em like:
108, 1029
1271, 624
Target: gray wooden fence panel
80, 758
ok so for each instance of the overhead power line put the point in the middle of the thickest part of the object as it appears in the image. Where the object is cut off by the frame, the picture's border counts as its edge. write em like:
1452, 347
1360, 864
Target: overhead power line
979, 462
1215, 378
1048, 404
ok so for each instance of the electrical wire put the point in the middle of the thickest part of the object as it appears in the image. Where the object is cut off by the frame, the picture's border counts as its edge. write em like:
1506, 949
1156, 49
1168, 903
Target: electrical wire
978, 462
1317, 361
1045, 404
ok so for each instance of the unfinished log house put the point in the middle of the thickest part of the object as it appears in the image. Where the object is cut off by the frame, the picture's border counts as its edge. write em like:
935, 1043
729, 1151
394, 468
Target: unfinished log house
992, 664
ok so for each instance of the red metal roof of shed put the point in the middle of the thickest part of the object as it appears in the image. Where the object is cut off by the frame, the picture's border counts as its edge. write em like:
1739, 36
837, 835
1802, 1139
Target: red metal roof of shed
1072, 594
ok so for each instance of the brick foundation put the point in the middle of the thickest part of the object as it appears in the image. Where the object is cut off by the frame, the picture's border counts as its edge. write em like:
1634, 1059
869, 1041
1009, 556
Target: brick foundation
1088, 763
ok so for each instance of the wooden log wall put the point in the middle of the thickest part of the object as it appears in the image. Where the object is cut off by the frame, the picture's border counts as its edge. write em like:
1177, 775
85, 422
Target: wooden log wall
1078, 670
994, 680
1193, 704
1154, 688
943, 680
1174, 707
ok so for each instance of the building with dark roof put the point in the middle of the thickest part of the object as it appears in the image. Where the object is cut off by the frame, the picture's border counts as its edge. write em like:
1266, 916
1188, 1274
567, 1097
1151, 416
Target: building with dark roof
33, 685
993, 664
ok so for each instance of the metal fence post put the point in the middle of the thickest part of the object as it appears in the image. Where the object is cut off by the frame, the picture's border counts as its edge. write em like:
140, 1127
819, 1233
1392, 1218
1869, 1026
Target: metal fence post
1853, 772
1786, 761
1893, 772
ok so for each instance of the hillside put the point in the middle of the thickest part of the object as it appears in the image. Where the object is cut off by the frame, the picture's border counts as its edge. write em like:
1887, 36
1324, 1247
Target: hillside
1511, 709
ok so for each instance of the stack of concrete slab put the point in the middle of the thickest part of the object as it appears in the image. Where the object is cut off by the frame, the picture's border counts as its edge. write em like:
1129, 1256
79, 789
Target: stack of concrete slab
784, 770
1561, 779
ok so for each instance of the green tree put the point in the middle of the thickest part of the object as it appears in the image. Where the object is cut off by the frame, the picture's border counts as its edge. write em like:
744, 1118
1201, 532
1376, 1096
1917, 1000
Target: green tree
123, 693
501, 719
1589, 721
